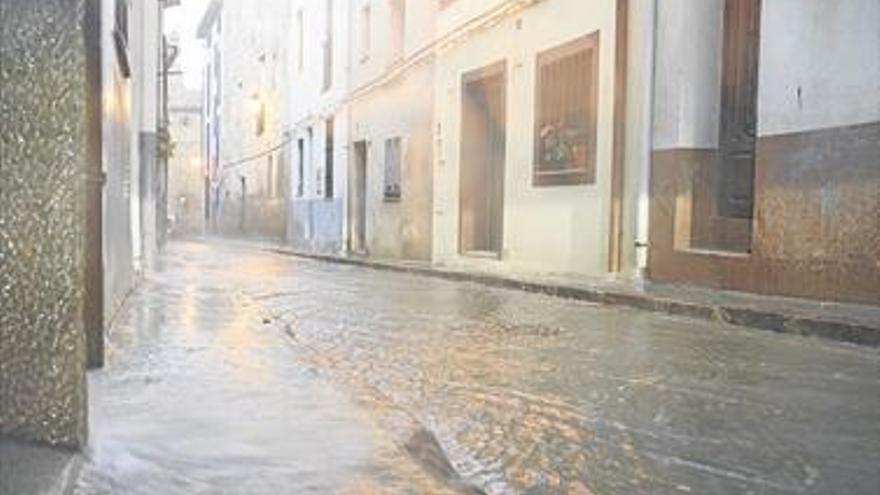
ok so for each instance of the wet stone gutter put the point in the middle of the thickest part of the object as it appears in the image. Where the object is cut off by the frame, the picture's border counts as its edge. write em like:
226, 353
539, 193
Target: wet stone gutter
853, 324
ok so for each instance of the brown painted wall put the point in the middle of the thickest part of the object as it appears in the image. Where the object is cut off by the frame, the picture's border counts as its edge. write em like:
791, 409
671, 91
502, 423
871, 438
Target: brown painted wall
817, 218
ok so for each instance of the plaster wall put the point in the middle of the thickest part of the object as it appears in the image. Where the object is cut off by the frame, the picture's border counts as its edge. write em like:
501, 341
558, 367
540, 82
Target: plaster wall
121, 193
688, 73
383, 77
315, 221
816, 218
820, 65
546, 229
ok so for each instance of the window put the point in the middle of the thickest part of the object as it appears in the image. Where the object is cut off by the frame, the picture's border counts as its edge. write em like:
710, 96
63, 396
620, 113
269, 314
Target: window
366, 34
270, 176
565, 113
261, 118
392, 190
120, 37
398, 29
328, 159
300, 41
280, 175
328, 48
300, 168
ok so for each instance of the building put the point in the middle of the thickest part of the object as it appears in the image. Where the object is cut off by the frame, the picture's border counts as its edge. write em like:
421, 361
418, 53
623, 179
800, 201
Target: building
132, 222
187, 179
243, 115
318, 126
540, 116
390, 179
77, 170
766, 147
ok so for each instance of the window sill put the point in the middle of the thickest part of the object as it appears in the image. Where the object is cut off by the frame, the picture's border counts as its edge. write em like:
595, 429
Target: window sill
563, 178
486, 255
718, 253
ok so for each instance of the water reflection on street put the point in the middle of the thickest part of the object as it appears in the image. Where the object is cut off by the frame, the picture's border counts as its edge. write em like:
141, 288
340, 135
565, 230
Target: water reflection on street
235, 370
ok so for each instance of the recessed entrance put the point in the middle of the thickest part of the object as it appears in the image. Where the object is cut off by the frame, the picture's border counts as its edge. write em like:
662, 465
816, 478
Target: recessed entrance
483, 143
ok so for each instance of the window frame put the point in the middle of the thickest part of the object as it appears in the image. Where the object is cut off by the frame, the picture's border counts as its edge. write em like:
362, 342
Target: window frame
329, 158
390, 193
571, 176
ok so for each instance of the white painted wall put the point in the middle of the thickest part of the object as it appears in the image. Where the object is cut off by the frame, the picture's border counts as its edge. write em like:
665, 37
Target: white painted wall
820, 64
688, 73
546, 229
819, 68
144, 50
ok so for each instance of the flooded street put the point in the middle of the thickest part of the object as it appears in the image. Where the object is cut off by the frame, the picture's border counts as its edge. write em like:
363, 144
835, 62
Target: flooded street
234, 370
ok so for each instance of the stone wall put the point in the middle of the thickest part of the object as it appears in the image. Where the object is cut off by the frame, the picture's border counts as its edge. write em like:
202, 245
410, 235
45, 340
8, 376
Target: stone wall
42, 160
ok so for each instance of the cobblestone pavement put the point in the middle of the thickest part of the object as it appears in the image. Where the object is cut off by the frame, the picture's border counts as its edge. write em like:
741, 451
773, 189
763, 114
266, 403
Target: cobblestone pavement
241, 371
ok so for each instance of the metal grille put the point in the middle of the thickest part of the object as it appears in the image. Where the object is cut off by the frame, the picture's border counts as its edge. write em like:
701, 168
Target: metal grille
565, 126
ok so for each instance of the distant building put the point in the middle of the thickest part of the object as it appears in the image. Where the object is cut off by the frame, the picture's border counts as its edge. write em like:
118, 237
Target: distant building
390, 181
187, 171
318, 127
243, 115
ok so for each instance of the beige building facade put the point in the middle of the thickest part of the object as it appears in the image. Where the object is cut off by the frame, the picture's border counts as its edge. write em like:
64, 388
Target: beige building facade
317, 148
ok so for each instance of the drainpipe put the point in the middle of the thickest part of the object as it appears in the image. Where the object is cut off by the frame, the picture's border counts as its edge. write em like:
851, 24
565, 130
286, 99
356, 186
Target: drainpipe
649, 27
349, 143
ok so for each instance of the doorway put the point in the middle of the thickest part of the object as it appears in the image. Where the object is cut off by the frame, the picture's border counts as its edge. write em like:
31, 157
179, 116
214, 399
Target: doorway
483, 153
357, 206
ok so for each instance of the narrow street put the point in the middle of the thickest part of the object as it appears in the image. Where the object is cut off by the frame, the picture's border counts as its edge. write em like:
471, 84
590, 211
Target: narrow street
237, 370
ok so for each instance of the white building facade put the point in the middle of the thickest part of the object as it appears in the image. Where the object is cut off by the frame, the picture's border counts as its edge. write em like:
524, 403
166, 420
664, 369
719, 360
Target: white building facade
317, 129
540, 113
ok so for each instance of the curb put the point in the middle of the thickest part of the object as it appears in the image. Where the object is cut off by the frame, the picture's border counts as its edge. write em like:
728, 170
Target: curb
826, 328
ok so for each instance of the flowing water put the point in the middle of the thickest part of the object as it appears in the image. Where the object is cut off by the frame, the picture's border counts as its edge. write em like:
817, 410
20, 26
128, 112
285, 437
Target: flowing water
240, 371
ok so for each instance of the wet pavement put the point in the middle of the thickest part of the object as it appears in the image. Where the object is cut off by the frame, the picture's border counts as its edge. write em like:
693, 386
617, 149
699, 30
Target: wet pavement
241, 371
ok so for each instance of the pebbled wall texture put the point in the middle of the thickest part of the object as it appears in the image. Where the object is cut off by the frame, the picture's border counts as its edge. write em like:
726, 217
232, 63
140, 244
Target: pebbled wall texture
42, 163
